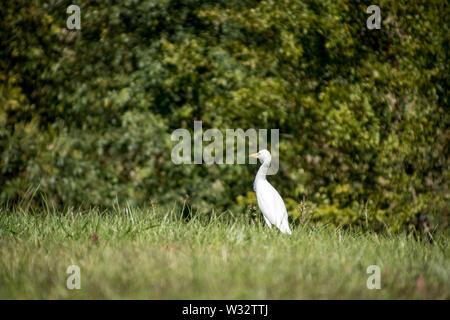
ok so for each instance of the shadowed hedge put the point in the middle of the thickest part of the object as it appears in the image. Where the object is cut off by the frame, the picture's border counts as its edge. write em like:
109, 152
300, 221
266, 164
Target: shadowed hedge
363, 114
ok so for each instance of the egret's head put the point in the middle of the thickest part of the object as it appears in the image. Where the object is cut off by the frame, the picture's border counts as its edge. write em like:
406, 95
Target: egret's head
262, 155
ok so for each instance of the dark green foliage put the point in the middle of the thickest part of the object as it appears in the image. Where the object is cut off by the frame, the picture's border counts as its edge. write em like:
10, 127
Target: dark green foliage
363, 114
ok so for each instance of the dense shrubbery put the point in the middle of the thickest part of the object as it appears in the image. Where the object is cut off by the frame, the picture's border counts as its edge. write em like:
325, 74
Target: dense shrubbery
363, 114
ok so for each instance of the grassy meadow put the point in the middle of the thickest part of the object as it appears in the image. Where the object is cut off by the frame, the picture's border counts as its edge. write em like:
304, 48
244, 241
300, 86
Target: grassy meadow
151, 253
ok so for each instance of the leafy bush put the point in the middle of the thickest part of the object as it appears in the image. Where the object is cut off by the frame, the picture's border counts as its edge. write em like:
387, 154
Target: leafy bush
363, 114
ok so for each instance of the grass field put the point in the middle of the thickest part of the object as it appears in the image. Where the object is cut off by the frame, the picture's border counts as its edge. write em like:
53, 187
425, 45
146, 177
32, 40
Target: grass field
156, 254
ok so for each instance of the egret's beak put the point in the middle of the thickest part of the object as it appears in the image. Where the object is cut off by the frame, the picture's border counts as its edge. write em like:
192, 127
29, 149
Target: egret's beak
254, 155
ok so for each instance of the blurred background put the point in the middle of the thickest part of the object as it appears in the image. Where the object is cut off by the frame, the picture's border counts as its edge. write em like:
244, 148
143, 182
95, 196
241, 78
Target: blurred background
86, 115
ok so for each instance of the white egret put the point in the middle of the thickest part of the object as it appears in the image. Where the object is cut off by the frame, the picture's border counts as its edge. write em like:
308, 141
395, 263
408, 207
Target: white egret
269, 200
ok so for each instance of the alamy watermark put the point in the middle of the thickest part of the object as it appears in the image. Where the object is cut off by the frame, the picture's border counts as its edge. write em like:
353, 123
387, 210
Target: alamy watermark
374, 21
74, 280
374, 281
74, 20
213, 152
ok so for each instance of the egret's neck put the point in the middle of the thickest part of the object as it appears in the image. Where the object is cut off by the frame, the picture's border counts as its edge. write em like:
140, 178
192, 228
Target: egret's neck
262, 172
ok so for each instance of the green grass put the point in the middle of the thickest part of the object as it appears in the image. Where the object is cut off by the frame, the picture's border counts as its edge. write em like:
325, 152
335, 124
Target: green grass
152, 254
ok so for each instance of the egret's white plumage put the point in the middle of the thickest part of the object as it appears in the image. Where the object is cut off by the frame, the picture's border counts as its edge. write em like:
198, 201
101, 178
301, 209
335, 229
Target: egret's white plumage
269, 200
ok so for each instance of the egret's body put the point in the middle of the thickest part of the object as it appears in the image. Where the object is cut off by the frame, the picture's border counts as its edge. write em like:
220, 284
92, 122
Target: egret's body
269, 200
